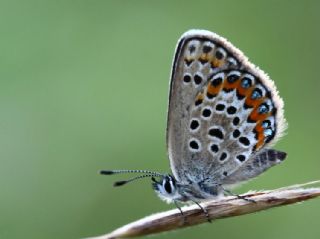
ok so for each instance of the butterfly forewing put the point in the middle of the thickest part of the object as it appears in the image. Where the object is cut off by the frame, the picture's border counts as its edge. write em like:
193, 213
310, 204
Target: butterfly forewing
222, 110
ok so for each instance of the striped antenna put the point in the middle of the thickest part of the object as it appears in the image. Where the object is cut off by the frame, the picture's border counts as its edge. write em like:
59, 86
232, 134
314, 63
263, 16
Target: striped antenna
111, 172
147, 173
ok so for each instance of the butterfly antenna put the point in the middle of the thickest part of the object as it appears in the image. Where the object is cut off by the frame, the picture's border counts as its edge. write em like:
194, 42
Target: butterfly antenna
120, 183
110, 172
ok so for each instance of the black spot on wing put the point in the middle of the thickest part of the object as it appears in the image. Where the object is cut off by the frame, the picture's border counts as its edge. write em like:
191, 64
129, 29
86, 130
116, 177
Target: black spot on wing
244, 140
217, 133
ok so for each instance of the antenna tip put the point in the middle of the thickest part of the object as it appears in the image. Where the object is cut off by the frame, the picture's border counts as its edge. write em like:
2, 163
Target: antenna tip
106, 172
119, 183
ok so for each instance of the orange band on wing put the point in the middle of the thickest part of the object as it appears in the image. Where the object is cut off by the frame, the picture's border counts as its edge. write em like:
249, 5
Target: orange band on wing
230, 86
216, 63
253, 103
243, 91
214, 90
260, 135
205, 57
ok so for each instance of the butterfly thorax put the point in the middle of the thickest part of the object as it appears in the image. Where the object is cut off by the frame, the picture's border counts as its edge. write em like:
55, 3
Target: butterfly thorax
170, 190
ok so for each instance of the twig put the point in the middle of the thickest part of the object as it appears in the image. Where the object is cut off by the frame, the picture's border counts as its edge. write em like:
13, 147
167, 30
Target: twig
226, 207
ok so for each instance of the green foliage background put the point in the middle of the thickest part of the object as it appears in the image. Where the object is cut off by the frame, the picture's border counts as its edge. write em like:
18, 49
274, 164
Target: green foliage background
84, 87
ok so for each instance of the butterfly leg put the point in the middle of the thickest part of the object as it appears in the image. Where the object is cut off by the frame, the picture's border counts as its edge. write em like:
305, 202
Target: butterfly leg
181, 212
238, 196
203, 210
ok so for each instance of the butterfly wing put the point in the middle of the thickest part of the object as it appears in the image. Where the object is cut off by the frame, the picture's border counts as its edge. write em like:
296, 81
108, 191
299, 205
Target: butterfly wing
255, 166
222, 109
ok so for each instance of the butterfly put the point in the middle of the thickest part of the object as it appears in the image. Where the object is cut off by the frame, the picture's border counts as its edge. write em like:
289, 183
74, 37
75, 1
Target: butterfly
224, 116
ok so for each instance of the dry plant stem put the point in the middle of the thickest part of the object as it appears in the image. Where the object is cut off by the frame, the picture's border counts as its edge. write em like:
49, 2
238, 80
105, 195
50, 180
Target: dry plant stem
217, 209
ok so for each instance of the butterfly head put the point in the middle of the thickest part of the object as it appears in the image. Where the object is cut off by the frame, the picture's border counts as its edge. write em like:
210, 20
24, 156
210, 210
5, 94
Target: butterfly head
166, 188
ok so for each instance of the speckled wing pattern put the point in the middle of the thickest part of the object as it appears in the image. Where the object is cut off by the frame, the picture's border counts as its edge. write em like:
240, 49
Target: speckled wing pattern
223, 111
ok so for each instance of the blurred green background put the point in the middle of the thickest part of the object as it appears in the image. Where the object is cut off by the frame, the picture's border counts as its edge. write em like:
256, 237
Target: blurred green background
84, 87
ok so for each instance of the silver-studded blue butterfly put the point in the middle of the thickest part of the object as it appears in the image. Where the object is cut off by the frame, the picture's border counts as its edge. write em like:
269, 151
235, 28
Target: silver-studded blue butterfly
224, 115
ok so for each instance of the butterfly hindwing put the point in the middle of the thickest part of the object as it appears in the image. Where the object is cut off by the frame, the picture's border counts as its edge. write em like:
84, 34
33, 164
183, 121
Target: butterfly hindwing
255, 166
222, 109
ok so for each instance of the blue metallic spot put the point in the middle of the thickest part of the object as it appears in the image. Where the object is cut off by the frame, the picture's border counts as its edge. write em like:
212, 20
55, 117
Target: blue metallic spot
267, 132
246, 82
266, 124
263, 108
256, 94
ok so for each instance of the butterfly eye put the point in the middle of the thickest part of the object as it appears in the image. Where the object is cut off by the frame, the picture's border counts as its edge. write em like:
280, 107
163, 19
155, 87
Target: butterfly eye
168, 185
